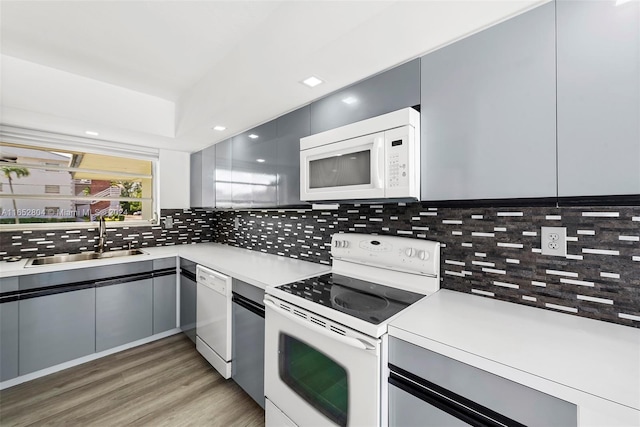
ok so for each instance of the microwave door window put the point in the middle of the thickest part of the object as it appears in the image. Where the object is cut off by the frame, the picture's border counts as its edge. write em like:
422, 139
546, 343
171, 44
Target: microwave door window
341, 170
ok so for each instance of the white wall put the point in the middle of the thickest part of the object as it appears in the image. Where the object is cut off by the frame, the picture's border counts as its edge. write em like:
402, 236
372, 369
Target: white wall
39, 97
174, 179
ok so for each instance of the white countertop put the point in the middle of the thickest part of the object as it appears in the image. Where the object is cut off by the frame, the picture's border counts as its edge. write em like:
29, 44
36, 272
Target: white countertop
515, 341
257, 268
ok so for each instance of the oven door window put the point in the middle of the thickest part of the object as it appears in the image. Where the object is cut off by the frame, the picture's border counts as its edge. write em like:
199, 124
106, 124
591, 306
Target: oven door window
341, 170
315, 377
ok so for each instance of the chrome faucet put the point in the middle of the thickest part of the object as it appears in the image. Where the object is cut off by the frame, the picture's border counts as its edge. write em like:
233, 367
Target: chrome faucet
102, 232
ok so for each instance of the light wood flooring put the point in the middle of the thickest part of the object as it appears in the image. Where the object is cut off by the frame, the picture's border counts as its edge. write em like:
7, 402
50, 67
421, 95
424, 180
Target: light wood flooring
163, 383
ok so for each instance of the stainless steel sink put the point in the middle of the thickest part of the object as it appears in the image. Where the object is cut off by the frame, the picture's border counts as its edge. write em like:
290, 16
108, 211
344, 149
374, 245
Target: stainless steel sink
84, 256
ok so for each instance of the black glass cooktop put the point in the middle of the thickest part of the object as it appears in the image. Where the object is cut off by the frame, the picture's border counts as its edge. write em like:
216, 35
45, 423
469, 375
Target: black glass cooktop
368, 301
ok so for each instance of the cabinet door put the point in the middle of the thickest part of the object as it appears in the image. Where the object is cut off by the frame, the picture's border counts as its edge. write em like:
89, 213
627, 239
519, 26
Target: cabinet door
8, 331
222, 173
195, 183
8, 340
598, 98
164, 303
254, 167
488, 113
291, 127
380, 94
203, 166
208, 178
188, 301
56, 328
124, 313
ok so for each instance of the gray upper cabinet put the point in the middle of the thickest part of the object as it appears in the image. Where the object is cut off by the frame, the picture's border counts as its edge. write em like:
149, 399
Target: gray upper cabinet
488, 113
385, 92
203, 178
55, 329
222, 174
291, 127
195, 181
598, 98
254, 170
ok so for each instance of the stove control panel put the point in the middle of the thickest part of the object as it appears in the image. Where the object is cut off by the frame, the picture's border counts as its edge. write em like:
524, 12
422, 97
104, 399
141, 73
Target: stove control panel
401, 253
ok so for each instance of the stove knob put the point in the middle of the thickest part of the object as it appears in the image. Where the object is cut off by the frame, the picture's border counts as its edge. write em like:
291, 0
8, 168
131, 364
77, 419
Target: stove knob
409, 252
423, 255
337, 243
345, 243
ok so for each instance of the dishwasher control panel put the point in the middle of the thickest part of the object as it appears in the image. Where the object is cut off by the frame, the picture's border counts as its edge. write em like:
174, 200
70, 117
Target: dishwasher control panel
219, 282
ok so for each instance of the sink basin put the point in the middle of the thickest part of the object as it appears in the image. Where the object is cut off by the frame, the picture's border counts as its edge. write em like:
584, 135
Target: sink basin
84, 256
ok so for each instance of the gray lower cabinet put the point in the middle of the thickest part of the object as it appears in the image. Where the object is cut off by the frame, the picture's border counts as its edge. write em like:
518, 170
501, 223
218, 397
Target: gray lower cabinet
56, 328
420, 377
488, 113
8, 331
124, 313
8, 340
164, 303
164, 294
391, 90
247, 346
188, 301
598, 98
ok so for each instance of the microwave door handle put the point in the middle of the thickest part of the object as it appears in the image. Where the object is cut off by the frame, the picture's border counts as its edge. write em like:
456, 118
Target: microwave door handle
353, 342
378, 160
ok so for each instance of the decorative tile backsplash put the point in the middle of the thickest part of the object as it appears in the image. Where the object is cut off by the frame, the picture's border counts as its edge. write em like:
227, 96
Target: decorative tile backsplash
493, 252
189, 226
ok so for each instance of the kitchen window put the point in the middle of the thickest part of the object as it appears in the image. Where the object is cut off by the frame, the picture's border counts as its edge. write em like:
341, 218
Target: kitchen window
48, 187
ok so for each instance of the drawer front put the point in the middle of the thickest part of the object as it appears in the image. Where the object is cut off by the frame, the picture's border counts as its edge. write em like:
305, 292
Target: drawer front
92, 274
159, 264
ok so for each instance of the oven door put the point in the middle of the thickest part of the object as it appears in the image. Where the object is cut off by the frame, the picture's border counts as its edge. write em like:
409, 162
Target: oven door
350, 169
319, 375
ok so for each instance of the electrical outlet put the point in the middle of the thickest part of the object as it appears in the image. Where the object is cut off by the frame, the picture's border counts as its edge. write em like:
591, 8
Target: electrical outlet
236, 223
168, 222
554, 241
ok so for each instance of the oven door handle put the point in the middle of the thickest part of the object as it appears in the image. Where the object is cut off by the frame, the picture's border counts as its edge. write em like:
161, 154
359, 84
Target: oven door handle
353, 342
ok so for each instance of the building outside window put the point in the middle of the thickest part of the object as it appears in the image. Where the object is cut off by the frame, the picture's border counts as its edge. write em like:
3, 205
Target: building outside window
51, 189
43, 185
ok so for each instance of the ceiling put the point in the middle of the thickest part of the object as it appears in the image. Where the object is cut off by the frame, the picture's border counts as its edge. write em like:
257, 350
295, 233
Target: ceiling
231, 63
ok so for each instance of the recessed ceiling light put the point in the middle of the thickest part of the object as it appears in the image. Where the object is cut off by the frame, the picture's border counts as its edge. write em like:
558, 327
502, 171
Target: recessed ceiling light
619, 2
350, 100
91, 132
312, 81
260, 160
219, 128
253, 136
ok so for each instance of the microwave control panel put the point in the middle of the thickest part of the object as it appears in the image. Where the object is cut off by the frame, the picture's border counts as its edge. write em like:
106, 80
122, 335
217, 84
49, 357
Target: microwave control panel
399, 153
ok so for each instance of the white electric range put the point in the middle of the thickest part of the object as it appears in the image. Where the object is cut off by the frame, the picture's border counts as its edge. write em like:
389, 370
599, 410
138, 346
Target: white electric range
325, 338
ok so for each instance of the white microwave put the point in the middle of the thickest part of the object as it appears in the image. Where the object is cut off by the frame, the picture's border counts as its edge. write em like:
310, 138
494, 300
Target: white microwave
377, 158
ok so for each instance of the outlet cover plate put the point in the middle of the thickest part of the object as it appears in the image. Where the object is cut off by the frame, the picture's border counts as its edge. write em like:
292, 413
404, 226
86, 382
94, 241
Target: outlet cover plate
554, 241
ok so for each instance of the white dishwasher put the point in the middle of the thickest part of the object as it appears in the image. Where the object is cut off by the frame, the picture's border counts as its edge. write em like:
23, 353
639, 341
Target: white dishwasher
213, 319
